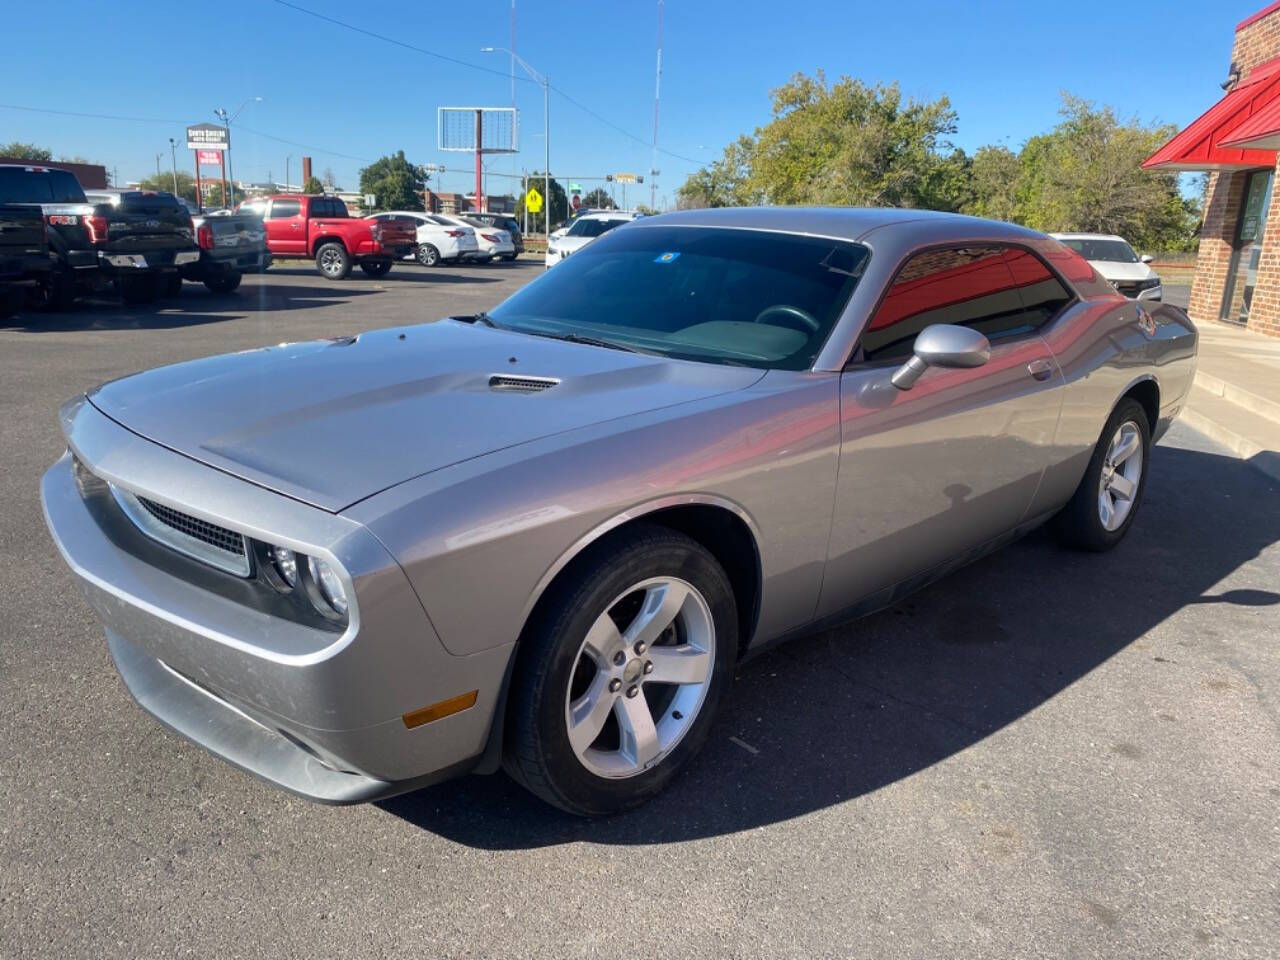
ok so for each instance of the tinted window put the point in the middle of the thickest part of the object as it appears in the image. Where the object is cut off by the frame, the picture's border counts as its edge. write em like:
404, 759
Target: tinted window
18, 185
979, 286
726, 296
1111, 251
593, 228
281, 209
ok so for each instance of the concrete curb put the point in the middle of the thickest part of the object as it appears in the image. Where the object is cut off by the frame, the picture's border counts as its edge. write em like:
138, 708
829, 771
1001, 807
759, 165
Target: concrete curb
1262, 406
1247, 449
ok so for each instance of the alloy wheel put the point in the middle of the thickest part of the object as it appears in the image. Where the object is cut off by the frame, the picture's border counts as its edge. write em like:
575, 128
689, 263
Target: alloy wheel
640, 677
1121, 474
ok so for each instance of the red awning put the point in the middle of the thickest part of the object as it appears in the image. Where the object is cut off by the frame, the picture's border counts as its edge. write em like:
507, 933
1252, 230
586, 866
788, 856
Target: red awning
1210, 142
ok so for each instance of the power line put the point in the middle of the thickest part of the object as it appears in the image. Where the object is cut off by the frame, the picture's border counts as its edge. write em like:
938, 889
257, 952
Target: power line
475, 66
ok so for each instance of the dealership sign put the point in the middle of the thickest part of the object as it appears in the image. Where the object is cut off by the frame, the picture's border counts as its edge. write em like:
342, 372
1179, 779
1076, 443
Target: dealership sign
207, 136
209, 157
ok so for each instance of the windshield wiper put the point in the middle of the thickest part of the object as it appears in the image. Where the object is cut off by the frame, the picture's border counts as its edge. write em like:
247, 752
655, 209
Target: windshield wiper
480, 317
591, 341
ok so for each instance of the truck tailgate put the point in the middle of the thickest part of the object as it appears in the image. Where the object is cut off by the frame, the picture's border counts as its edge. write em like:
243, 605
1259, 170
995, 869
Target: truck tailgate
21, 229
146, 223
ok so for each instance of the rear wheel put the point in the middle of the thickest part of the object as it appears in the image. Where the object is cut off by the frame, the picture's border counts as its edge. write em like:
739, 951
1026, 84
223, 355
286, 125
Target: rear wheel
332, 261
172, 284
376, 268
621, 674
1102, 509
58, 292
11, 299
143, 289
428, 255
223, 282
509, 257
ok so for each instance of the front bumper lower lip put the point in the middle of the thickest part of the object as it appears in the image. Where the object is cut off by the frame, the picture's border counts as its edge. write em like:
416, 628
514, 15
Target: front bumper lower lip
200, 716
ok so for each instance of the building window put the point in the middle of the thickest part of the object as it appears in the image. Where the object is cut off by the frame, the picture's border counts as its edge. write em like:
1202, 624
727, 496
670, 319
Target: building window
1242, 275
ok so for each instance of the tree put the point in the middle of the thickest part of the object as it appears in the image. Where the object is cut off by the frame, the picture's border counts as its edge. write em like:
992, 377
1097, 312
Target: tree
726, 183
17, 150
329, 180
557, 204
599, 199
995, 174
397, 183
1086, 175
313, 185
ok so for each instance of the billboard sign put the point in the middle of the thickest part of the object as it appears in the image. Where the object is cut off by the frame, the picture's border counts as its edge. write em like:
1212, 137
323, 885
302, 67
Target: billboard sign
207, 136
209, 157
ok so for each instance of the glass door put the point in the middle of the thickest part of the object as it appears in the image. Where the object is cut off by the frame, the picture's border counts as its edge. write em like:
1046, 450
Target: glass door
1242, 274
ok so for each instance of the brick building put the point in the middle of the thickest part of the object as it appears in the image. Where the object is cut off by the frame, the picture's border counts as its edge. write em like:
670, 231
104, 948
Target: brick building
1235, 141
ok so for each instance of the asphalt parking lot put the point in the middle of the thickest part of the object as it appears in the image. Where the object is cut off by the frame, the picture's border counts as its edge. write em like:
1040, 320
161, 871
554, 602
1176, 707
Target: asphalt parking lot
1047, 754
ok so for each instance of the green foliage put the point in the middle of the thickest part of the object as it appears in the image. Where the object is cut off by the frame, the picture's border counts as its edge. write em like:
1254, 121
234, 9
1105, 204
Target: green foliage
18, 150
396, 182
598, 199
557, 204
850, 143
313, 185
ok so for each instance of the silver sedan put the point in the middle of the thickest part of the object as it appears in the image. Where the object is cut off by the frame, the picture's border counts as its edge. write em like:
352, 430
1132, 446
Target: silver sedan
542, 537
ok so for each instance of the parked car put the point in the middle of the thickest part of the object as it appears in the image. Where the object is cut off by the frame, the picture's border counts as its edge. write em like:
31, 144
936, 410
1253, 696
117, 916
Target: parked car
544, 536
1112, 257
438, 240
582, 230
306, 226
501, 221
230, 245
24, 255
135, 244
492, 243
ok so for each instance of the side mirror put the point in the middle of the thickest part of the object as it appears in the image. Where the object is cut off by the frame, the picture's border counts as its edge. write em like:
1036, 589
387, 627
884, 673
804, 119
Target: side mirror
1147, 258
942, 345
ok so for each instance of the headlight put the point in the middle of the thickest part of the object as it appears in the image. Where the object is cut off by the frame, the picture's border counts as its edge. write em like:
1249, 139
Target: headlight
286, 563
330, 586
1149, 284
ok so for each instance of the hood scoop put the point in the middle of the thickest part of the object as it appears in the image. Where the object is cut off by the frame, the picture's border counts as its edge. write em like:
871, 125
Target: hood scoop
505, 383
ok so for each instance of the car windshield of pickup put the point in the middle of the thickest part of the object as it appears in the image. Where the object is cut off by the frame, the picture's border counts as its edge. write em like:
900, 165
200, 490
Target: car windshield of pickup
744, 297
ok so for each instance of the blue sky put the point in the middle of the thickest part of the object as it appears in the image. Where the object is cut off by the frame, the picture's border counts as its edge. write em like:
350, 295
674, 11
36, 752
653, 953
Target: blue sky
353, 98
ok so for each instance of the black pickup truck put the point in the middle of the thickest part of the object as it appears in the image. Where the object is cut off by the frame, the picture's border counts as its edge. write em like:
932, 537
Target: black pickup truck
24, 254
136, 245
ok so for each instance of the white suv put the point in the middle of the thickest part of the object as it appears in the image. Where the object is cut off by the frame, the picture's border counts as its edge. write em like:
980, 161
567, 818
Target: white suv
585, 228
1112, 257
438, 240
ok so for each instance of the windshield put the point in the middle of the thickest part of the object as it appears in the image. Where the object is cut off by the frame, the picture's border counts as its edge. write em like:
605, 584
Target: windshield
593, 228
742, 297
1112, 251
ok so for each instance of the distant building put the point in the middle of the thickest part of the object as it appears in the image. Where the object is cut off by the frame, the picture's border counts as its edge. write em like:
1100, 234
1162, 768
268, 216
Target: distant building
92, 176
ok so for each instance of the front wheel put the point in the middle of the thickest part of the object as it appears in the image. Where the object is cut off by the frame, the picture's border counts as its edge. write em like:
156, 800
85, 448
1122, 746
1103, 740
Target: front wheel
428, 255
622, 672
333, 262
223, 282
1102, 509
375, 268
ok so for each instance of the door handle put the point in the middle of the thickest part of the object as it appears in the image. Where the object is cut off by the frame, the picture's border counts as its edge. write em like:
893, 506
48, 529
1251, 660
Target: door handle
1040, 369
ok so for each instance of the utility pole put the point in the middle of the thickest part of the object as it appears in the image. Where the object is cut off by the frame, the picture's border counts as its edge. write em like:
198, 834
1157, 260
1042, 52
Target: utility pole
657, 92
158, 156
546, 127
229, 174
173, 156
286, 173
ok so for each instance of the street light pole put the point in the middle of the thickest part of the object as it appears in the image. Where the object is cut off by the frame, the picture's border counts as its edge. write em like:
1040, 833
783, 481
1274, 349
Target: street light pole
221, 114
546, 125
173, 157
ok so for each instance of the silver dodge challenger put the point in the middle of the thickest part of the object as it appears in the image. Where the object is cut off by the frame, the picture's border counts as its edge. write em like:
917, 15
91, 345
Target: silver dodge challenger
542, 537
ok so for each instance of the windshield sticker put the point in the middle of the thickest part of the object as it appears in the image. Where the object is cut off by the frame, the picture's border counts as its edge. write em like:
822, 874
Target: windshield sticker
666, 257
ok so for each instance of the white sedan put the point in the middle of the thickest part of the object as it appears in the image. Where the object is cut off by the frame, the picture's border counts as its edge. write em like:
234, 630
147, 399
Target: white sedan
491, 241
1112, 257
583, 230
438, 240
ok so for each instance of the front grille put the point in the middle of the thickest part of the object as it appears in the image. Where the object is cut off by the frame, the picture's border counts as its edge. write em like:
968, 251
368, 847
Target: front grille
210, 533
199, 539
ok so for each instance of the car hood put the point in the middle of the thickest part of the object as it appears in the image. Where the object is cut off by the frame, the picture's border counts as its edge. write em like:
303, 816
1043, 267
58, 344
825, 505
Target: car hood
335, 421
1111, 270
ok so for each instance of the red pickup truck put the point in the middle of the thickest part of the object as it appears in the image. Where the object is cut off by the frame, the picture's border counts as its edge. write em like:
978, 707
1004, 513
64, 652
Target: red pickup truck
302, 226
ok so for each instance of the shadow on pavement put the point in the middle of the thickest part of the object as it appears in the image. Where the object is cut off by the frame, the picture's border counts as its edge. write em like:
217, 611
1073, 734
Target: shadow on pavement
821, 720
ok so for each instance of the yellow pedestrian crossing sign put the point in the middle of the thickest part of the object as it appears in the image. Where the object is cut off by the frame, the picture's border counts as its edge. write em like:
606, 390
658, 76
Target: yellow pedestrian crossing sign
533, 201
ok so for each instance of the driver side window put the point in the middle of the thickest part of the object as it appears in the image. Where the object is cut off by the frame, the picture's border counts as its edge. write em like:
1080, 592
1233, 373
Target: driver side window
999, 291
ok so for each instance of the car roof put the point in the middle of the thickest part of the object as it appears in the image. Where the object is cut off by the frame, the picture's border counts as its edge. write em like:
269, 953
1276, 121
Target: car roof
1087, 236
846, 223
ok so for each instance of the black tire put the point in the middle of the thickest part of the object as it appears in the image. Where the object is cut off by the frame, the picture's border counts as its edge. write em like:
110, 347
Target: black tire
223, 282
375, 268
333, 261
139, 289
537, 751
509, 257
58, 292
11, 300
1079, 524
428, 255
172, 285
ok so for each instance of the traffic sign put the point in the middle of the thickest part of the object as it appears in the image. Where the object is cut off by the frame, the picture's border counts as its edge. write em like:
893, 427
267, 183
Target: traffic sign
625, 177
533, 201
576, 201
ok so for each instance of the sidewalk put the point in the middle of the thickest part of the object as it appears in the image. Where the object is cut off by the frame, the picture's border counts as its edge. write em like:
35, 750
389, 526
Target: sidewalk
1236, 397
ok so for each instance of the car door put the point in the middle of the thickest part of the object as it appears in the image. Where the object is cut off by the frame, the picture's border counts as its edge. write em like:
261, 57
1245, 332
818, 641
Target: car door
929, 474
286, 228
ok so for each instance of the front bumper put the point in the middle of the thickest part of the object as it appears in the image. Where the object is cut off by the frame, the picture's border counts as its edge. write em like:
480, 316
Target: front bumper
311, 710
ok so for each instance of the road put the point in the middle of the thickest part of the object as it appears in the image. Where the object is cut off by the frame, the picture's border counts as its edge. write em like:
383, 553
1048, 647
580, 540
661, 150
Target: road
1047, 754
